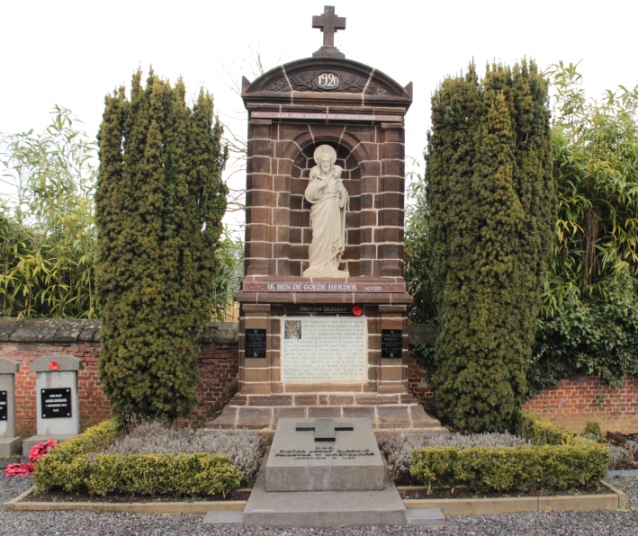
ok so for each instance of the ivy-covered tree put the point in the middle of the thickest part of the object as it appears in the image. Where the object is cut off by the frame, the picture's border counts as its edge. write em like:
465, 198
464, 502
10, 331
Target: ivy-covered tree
491, 213
159, 204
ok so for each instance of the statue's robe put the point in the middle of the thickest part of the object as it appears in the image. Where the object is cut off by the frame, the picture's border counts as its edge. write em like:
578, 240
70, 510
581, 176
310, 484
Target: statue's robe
328, 222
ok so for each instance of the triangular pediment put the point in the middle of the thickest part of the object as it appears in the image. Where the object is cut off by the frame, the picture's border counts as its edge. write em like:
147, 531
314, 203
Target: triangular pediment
317, 76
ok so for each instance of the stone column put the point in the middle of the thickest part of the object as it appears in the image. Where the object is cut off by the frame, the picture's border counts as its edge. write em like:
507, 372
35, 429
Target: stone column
9, 443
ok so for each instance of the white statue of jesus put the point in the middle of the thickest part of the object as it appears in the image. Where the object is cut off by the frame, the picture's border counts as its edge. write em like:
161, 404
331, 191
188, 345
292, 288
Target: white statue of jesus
329, 199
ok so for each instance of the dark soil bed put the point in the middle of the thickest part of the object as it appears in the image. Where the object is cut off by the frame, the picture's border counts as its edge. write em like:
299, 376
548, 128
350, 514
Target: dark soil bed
464, 493
60, 496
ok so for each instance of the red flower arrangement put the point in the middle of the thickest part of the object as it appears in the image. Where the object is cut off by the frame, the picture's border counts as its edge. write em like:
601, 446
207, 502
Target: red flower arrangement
39, 450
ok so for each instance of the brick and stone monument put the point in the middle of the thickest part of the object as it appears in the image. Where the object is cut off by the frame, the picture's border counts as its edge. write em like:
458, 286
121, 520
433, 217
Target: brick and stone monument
323, 323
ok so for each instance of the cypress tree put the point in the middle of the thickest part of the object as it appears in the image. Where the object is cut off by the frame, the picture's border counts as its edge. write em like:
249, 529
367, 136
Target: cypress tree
159, 205
491, 207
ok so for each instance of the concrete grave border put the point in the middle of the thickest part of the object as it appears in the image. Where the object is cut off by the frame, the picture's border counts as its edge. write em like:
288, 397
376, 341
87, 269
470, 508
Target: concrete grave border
450, 507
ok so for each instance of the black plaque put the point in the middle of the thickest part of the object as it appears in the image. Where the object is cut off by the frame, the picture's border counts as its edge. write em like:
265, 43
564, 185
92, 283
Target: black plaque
391, 342
3, 406
56, 403
255, 343
318, 309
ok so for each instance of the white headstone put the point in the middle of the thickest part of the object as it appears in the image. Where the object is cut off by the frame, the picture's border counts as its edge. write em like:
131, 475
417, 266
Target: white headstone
9, 442
56, 383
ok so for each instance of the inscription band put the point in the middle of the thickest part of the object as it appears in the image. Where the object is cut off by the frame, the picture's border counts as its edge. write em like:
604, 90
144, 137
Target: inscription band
284, 286
345, 117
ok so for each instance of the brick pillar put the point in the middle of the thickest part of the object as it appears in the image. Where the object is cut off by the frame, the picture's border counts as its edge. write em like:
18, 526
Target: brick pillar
393, 372
254, 373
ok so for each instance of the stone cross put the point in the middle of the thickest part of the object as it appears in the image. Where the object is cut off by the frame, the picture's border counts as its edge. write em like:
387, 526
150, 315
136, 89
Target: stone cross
325, 429
329, 23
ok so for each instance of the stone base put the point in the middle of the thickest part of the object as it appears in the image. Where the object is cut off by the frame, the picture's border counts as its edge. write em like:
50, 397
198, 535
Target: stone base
425, 516
28, 444
387, 412
224, 518
318, 272
10, 445
298, 462
323, 508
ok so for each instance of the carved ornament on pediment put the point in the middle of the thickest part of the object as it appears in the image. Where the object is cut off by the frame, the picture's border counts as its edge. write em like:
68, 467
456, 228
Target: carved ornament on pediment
326, 80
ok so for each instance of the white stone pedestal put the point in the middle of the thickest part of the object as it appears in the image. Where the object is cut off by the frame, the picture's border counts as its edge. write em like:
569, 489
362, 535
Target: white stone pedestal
9, 442
56, 383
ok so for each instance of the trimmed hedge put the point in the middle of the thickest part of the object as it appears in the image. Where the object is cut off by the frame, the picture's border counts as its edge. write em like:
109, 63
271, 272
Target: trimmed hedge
67, 466
74, 468
163, 474
541, 432
559, 460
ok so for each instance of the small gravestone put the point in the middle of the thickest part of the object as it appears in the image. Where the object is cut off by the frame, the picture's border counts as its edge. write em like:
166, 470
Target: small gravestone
9, 442
56, 383
323, 473
324, 455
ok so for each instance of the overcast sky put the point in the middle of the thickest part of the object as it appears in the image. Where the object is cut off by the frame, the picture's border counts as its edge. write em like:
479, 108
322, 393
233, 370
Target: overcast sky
72, 52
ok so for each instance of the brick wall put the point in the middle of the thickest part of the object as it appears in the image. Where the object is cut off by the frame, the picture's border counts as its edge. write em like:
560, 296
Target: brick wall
572, 403
26, 340
578, 400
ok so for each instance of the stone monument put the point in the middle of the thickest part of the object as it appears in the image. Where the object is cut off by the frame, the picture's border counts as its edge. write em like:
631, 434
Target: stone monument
9, 442
323, 321
56, 383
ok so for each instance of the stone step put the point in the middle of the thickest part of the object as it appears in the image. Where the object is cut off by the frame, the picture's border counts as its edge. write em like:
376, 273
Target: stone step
323, 508
404, 417
425, 516
323, 399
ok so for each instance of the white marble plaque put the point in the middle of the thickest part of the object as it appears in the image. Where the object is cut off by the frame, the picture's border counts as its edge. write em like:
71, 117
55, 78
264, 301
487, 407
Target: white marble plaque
324, 349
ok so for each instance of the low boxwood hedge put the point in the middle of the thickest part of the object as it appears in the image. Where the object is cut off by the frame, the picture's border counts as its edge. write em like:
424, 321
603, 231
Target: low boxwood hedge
557, 460
74, 467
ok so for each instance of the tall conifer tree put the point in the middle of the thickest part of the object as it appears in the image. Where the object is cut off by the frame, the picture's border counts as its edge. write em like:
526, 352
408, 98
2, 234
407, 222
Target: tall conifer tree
159, 204
491, 203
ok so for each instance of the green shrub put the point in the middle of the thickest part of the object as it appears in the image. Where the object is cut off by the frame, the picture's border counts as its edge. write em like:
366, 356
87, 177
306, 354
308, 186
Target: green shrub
542, 432
74, 467
488, 227
67, 466
163, 474
592, 428
398, 448
159, 203
559, 460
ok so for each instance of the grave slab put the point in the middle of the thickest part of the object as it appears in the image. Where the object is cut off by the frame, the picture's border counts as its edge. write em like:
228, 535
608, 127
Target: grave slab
323, 508
303, 458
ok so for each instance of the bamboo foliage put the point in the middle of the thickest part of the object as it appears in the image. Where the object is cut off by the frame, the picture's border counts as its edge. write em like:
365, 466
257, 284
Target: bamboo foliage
47, 231
595, 145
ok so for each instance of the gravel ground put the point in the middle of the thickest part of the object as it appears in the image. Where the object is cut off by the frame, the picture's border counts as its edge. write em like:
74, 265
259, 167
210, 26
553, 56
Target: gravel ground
596, 523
